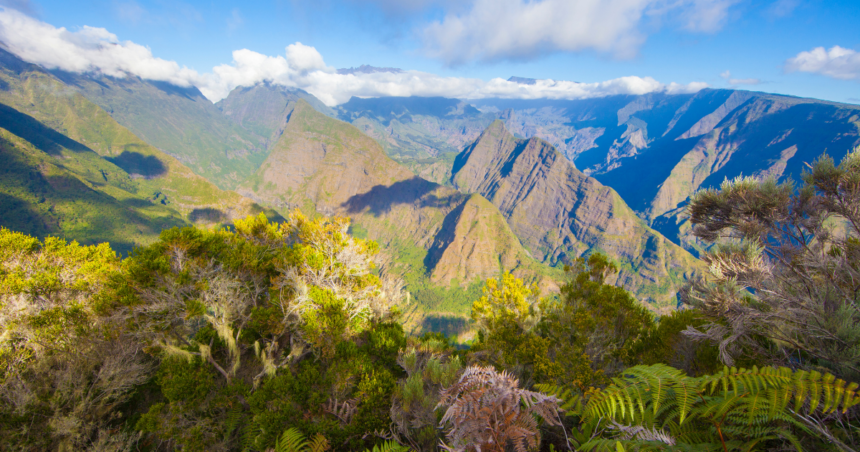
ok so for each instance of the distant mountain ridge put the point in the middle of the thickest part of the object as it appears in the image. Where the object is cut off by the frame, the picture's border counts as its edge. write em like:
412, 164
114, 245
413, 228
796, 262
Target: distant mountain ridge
366, 69
71, 170
522, 80
654, 149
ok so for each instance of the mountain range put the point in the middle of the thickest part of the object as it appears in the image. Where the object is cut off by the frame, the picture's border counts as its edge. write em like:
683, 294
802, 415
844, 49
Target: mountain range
655, 150
454, 191
70, 169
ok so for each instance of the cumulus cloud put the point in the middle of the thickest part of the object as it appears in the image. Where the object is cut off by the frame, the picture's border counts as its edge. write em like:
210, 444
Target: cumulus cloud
727, 75
837, 62
521, 29
99, 51
88, 50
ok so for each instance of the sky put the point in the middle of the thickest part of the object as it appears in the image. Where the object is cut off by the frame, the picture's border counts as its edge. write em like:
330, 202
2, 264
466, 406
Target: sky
453, 48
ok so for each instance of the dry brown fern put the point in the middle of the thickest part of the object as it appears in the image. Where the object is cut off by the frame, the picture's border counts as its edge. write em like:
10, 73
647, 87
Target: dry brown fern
341, 410
487, 411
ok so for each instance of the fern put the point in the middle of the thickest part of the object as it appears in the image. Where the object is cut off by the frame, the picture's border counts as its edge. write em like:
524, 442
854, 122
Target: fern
319, 443
292, 440
571, 403
388, 446
488, 411
745, 408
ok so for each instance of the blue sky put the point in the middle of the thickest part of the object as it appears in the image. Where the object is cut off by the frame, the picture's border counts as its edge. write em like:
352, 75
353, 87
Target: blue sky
722, 43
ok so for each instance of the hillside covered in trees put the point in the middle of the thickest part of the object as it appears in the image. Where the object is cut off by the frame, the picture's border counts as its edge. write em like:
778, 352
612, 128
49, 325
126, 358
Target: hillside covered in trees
284, 335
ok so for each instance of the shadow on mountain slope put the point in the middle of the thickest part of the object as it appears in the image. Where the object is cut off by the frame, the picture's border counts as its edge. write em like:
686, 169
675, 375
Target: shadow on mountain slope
136, 163
18, 215
381, 198
447, 234
207, 215
41, 136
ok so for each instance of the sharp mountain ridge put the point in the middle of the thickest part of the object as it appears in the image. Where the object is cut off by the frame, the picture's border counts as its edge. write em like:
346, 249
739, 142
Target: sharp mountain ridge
71, 170
559, 213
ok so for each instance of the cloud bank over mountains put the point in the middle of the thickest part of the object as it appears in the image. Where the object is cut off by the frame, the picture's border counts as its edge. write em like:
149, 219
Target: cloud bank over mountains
97, 50
90, 49
303, 67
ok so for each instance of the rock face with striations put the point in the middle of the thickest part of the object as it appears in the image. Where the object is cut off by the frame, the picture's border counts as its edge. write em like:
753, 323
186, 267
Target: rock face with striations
324, 165
560, 213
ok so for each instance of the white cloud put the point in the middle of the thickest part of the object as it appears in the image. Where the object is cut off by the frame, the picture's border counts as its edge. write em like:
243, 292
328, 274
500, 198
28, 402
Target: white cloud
304, 68
97, 50
523, 29
88, 50
727, 75
837, 62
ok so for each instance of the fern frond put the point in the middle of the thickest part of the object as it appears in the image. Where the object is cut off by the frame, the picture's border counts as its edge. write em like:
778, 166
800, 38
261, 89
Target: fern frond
388, 446
319, 443
292, 440
638, 388
571, 403
749, 406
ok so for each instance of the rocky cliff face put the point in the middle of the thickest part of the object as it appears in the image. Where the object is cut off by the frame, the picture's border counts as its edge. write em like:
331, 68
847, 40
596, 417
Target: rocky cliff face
324, 165
559, 213
654, 150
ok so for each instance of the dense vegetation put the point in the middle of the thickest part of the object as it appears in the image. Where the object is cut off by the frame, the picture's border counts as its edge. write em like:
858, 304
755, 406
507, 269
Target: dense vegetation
280, 336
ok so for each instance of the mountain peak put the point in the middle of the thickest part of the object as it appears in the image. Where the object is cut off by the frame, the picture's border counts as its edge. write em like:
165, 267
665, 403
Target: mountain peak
303, 107
495, 129
367, 69
560, 213
523, 80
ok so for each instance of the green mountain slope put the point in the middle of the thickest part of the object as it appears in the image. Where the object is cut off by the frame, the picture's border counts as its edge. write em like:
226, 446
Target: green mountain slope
72, 153
179, 121
42, 195
443, 243
560, 213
